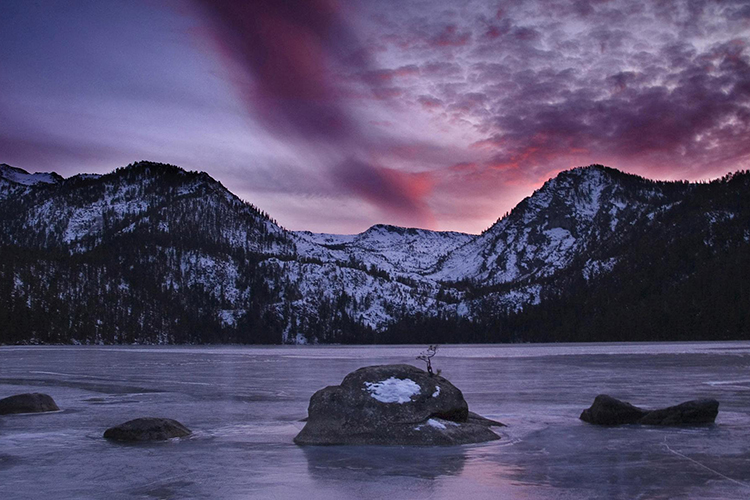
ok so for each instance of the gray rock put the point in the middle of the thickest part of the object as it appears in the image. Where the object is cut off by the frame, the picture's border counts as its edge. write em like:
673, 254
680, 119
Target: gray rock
699, 411
27, 403
147, 429
607, 410
392, 405
478, 419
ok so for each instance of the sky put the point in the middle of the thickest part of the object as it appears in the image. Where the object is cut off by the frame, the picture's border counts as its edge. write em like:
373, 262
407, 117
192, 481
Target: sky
333, 116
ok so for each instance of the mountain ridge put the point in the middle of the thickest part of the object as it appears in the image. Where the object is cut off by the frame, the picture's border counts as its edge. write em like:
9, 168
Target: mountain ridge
220, 269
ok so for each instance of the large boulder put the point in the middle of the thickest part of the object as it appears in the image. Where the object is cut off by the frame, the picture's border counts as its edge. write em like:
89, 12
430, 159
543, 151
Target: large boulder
393, 405
27, 403
607, 410
147, 429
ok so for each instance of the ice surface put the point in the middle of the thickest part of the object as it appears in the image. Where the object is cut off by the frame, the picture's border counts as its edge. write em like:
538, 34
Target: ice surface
393, 390
244, 405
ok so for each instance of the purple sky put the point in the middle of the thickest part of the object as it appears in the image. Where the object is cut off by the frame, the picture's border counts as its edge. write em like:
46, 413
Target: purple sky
333, 116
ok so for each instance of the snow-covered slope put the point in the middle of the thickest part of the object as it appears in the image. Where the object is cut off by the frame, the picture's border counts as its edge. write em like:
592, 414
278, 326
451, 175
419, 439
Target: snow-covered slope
83, 211
396, 250
20, 176
155, 235
568, 216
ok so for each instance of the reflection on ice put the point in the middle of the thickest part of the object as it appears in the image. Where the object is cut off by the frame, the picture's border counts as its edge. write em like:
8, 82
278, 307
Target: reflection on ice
339, 463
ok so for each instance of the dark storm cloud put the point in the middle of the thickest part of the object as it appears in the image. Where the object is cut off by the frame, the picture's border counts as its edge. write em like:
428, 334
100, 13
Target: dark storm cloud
387, 76
302, 71
656, 88
638, 82
285, 57
702, 101
450, 36
398, 192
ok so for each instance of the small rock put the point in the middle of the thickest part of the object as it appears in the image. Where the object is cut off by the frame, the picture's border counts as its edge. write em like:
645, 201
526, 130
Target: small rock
607, 410
147, 429
27, 403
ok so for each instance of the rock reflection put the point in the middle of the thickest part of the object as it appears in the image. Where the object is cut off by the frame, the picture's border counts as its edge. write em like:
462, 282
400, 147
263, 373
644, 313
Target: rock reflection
349, 462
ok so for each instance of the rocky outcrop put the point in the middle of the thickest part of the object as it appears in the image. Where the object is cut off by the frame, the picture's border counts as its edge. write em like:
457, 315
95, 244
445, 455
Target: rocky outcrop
147, 429
393, 405
699, 411
27, 403
607, 410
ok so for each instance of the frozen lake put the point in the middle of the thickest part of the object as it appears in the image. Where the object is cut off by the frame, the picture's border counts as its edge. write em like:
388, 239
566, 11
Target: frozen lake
244, 405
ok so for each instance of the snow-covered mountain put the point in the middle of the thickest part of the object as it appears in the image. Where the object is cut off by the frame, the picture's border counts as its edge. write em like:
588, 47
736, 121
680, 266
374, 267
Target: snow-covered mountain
153, 253
84, 211
22, 177
573, 214
396, 250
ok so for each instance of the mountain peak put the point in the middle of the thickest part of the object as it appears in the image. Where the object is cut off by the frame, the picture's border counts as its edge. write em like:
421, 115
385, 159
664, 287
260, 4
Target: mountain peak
151, 167
389, 228
21, 176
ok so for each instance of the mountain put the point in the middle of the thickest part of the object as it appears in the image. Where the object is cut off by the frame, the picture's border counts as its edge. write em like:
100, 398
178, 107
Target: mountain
573, 214
682, 273
12, 175
151, 253
397, 250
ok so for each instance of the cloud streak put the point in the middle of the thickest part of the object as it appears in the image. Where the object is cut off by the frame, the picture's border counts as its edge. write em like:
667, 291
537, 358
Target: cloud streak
302, 73
282, 57
399, 193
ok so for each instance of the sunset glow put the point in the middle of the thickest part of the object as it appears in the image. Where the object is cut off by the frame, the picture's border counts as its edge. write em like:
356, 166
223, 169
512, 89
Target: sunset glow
333, 116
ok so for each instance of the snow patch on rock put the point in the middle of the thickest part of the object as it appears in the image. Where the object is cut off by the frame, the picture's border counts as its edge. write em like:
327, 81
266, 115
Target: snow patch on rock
437, 423
393, 390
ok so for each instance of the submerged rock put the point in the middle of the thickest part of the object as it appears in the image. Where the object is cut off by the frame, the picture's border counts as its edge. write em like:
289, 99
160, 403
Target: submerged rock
27, 403
607, 410
392, 405
147, 429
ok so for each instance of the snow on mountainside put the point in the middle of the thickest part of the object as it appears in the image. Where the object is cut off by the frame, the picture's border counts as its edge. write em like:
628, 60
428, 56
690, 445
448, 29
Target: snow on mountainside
81, 212
393, 249
20, 176
572, 213
157, 239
